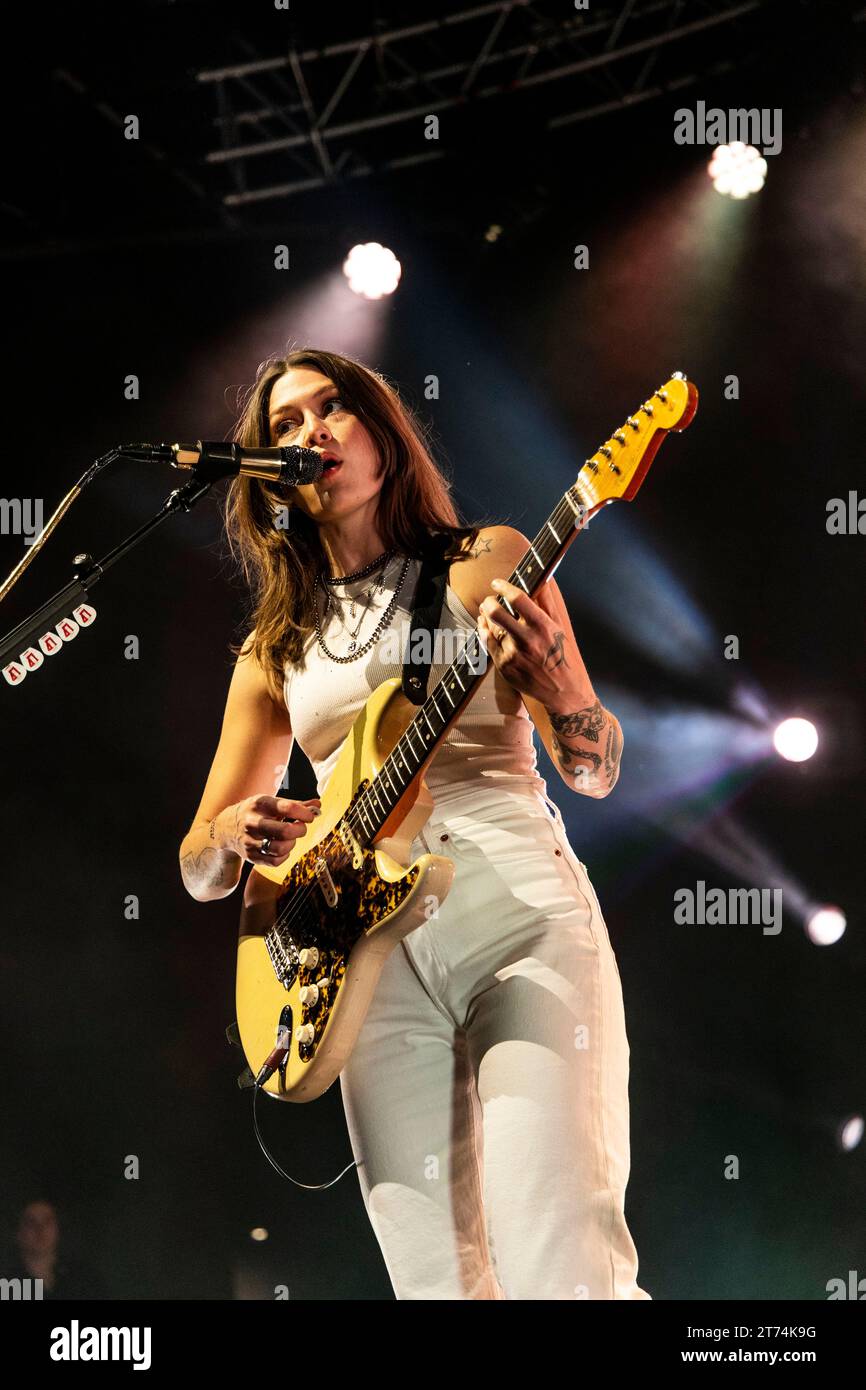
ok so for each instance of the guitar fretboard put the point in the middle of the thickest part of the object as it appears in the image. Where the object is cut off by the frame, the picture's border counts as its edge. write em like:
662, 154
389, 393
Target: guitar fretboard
421, 738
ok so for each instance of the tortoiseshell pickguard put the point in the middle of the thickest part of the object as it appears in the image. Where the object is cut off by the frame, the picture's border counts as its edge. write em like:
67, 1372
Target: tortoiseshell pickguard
305, 918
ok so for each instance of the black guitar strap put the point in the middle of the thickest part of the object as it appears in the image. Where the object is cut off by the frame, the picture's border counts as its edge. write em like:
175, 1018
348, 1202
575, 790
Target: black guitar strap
426, 612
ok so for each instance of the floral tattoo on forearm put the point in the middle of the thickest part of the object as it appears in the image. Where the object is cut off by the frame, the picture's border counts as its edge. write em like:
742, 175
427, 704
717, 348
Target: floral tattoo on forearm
588, 725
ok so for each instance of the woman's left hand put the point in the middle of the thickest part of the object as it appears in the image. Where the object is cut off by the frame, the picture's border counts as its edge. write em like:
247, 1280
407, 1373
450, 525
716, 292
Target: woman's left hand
532, 650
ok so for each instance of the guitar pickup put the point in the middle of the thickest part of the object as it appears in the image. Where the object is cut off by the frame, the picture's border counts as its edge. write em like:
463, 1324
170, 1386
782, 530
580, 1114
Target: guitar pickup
351, 843
326, 883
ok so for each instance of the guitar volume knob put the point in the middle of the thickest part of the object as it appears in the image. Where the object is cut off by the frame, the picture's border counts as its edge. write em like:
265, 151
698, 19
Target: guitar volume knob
308, 994
309, 957
304, 1033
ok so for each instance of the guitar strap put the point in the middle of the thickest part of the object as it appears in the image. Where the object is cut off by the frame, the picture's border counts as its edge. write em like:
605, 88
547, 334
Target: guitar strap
426, 612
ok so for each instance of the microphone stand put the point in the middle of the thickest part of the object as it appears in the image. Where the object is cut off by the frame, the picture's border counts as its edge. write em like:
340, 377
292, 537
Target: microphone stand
88, 571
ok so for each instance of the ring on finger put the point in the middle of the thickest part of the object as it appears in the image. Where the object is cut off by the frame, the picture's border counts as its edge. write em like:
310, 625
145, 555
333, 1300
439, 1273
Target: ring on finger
265, 846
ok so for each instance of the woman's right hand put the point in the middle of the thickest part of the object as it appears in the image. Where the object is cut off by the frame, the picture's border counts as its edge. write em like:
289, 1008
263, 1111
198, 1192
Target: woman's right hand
242, 827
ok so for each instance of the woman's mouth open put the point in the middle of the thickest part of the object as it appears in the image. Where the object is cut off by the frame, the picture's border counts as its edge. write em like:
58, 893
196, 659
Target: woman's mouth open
331, 467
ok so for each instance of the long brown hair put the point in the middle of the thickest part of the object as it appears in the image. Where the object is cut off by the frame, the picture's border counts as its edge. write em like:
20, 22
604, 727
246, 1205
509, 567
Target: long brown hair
280, 563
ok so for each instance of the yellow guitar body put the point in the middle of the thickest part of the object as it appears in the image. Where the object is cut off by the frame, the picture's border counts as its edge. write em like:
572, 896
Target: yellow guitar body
354, 914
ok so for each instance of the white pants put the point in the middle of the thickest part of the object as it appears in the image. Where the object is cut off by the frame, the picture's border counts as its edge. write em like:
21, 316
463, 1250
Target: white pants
487, 1095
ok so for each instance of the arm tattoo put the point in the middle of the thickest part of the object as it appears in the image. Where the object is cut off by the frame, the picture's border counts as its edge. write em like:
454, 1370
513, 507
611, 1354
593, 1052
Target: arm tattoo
585, 724
206, 869
612, 754
569, 757
555, 655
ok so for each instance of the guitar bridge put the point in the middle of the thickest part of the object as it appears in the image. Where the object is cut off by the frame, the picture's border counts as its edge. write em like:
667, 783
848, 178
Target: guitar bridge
284, 957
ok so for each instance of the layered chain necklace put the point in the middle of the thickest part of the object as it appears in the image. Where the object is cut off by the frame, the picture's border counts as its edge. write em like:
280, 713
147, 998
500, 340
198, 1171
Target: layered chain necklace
330, 583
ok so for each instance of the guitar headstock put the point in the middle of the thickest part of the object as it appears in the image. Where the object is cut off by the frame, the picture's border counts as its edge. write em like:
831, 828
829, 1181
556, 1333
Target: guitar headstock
616, 469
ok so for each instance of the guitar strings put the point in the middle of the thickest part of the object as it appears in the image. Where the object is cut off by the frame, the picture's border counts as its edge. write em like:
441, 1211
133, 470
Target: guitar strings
299, 900
562, 507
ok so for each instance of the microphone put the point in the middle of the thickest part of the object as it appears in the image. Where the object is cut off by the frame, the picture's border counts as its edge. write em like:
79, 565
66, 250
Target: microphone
291, 466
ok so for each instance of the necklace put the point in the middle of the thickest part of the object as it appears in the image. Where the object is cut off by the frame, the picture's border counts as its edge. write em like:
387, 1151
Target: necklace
352, 599
359, 574
374, 588
352, 654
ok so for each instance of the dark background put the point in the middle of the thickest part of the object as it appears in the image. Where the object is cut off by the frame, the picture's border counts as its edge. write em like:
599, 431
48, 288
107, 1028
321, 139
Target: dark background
123, 258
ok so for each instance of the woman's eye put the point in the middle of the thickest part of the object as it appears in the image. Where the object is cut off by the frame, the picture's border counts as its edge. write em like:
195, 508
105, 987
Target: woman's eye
284, 425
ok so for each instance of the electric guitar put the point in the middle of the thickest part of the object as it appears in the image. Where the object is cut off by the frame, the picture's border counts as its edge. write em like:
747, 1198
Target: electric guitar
316, 930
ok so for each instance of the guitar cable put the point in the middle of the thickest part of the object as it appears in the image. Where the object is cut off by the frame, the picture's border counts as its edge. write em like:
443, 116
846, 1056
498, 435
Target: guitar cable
310, 1186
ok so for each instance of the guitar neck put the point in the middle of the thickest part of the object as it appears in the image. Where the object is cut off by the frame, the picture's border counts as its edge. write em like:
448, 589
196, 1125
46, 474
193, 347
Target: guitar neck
421, 739
614, 472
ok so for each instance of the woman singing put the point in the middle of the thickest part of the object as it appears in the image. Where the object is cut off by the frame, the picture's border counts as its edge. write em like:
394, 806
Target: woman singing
487, 1095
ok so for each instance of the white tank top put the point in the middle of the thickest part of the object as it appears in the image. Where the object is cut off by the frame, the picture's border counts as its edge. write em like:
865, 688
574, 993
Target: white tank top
491, 745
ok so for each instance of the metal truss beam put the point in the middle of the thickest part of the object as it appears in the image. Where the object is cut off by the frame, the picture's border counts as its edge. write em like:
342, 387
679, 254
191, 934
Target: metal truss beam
445, 82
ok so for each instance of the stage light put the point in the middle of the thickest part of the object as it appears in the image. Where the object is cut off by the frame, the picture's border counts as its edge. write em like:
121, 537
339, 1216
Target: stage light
737, 170
825, 925
372, 270
258, 1233
850, 1132
795, 739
